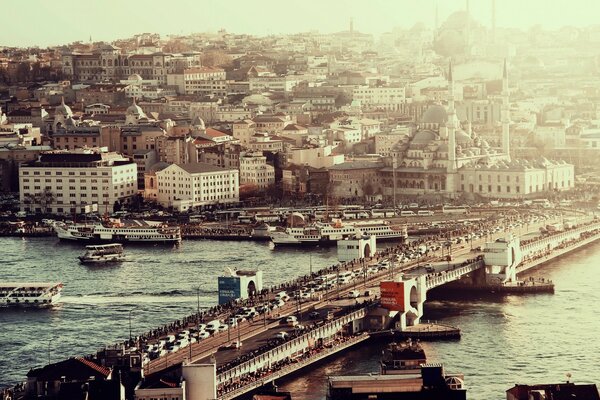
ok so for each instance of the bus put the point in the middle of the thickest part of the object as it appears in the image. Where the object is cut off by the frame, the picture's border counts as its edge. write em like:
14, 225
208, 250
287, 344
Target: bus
545, 203
383, 213
355, 214
455, 210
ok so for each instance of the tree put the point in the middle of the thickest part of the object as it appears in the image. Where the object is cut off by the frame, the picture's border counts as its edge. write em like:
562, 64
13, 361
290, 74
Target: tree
46, 198
22, 73
42, 199
216, 58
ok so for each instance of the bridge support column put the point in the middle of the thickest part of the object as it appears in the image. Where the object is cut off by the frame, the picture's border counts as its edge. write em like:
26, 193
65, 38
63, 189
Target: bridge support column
200, 381
407, 298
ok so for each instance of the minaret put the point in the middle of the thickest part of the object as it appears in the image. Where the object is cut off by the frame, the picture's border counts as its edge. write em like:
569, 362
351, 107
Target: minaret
437, 25
493, 21
505, 114
351, 25
469, 129
468, 9
452, 124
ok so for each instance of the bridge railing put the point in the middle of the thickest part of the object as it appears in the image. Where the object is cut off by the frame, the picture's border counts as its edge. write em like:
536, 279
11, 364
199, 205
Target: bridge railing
291, 368
446, 276
277, 353
541, 244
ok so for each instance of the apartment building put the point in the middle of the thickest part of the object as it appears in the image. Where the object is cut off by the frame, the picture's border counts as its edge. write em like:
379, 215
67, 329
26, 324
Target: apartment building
254, 171
186, 186
64, 182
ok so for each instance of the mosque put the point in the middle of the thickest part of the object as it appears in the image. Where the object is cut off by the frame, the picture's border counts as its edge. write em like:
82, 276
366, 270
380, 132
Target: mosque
443, 158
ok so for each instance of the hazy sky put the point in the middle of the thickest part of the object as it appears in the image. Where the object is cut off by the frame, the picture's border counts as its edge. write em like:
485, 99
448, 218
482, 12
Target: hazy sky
43, 22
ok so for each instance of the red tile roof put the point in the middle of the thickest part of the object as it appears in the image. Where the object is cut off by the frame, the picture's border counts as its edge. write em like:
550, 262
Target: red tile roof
103, 370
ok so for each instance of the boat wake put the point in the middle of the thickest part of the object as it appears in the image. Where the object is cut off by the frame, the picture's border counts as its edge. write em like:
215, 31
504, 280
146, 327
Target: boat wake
135, 299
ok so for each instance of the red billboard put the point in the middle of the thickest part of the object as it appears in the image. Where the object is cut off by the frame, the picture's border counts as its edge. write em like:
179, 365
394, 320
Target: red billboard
392, 295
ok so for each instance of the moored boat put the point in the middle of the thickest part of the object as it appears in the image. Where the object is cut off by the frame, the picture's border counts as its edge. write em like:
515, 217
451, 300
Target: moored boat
103, 254
117, 232
321, 233
30, 294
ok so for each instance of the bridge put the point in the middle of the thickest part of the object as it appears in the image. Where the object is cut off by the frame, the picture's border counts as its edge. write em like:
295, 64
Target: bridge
211, 372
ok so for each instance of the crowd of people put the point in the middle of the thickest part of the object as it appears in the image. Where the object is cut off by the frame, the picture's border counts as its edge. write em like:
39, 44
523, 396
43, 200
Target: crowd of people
195, 230
260, 374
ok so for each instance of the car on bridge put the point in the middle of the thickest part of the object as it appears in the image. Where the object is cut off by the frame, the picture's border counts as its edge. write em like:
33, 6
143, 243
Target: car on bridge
314, 315
281, 335
233, 345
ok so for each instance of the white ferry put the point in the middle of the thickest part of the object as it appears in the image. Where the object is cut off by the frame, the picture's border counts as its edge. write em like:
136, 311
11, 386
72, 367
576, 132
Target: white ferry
327, 233
137, 231
103, 254
32, 294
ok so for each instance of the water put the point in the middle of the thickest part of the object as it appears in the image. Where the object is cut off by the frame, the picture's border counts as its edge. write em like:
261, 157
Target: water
156, 286
506, 339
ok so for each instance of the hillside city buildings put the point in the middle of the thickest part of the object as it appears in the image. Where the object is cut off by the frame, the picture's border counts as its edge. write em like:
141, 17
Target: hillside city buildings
446, 113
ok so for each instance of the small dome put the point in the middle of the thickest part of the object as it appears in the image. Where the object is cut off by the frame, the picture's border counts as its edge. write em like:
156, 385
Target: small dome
136, 110
462, 137
63, 109
199, 122
135, 77
435, 114
454, 383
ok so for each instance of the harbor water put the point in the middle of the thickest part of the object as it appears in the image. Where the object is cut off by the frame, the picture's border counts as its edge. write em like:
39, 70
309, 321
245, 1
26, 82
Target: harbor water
506, 339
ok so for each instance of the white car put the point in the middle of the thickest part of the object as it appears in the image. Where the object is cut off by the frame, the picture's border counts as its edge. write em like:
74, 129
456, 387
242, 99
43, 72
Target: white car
281, 335
203, 335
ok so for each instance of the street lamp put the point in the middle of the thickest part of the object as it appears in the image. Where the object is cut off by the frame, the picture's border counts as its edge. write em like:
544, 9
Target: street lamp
130, 311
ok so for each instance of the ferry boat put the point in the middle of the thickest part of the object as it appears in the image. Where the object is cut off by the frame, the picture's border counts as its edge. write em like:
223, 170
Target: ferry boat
405, 374
111, 231
329, 233
30, 294
103, 254
262, 232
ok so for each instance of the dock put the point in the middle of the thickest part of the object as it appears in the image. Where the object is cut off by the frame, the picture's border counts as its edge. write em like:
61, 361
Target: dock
429, 331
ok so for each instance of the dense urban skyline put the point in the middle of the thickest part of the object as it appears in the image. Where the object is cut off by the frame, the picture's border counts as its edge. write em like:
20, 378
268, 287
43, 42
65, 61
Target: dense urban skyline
112, 19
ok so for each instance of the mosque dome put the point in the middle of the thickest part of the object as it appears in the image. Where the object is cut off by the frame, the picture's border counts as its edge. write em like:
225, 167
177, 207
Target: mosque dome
423, 137
462, 137
435, 114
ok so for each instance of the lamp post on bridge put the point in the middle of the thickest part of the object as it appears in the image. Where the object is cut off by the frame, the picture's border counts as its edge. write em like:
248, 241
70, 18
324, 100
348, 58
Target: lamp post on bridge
130, 333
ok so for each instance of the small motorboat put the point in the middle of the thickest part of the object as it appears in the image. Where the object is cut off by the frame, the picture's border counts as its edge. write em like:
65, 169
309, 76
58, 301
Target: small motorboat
103, 254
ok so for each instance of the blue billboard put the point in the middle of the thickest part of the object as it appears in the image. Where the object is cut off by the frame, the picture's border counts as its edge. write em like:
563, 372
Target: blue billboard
229, 288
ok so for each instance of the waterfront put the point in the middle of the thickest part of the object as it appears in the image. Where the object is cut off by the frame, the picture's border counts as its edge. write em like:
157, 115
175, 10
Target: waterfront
505, 339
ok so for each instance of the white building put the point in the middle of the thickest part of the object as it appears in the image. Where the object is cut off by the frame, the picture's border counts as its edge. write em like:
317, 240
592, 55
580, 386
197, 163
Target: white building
65, 182
255, 171
274, 83
186, 186
200, 80
381, 97
316, 157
